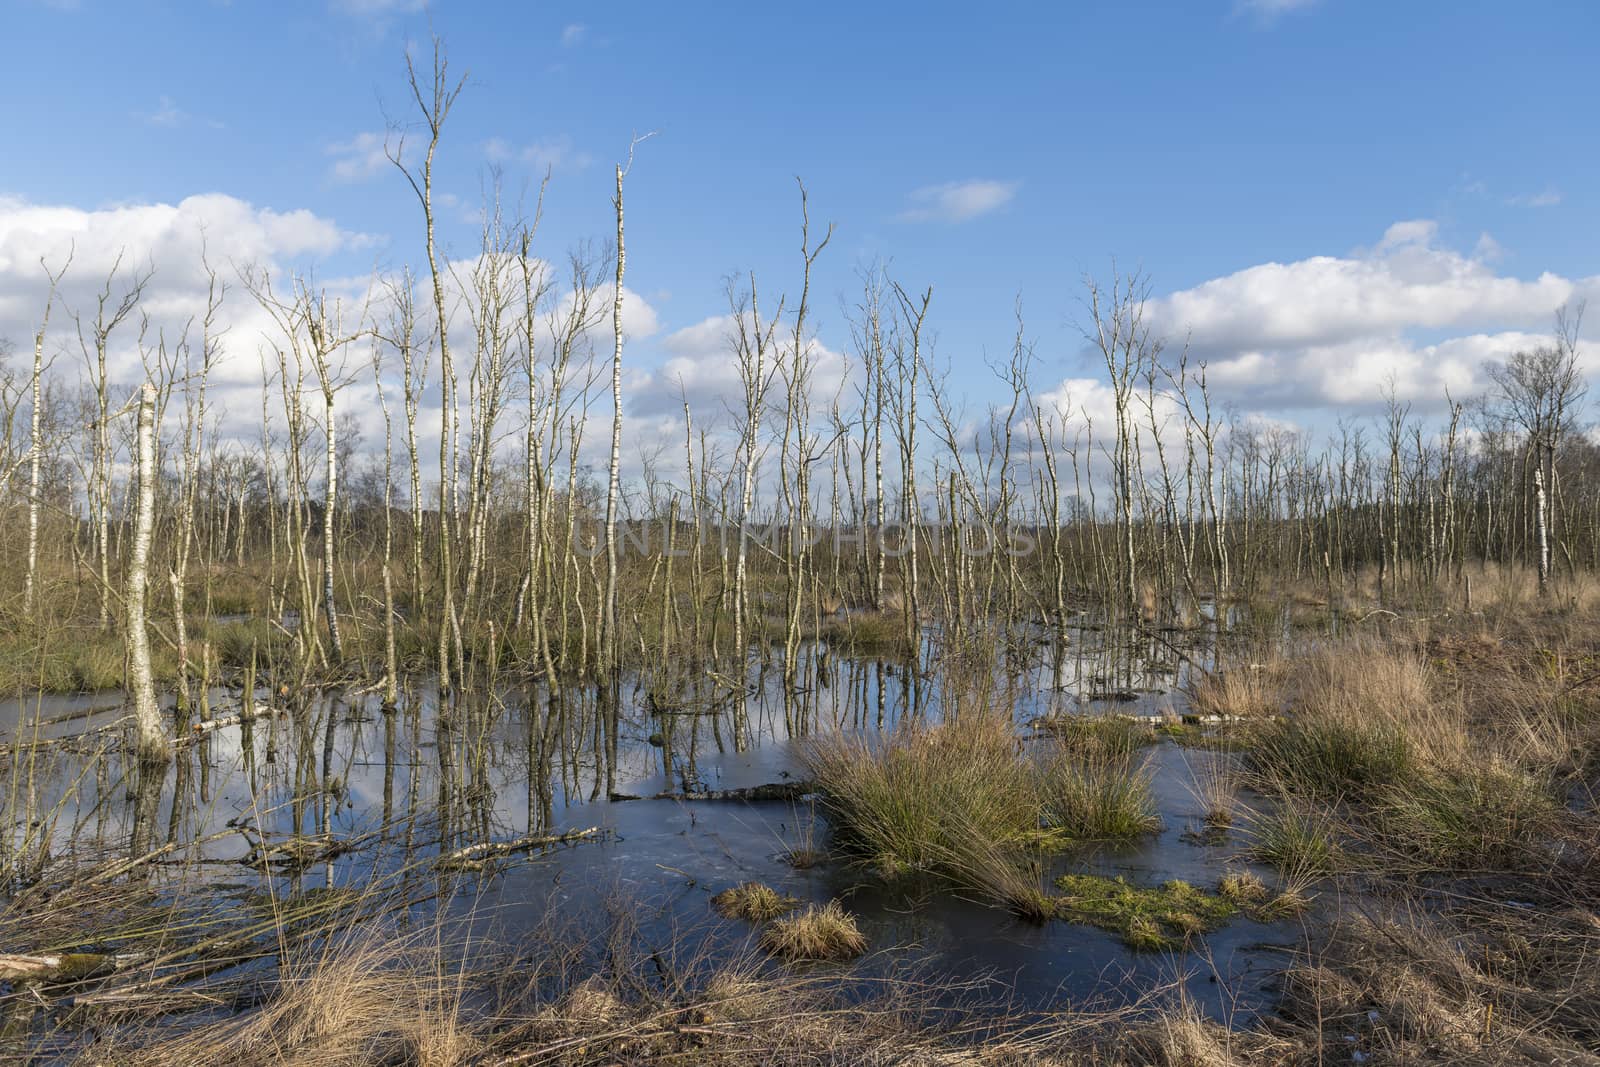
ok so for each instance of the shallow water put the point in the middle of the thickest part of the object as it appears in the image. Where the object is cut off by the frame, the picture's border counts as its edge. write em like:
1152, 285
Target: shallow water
518, 763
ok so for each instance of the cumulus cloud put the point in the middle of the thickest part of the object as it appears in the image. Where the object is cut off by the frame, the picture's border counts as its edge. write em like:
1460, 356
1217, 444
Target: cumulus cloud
700, 367
958, 201
1340, 330
172, 243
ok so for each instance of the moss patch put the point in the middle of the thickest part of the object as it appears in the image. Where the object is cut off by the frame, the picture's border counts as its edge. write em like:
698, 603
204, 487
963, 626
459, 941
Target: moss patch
1164, 916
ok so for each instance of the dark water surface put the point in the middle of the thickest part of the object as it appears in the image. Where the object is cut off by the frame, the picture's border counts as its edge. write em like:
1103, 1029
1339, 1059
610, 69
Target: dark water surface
403, 785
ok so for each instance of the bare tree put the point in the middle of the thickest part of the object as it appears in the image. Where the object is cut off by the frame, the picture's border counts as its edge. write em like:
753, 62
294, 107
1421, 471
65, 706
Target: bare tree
36, 436
108, 316
608, 640
434, 101
1119, 330
1541, 391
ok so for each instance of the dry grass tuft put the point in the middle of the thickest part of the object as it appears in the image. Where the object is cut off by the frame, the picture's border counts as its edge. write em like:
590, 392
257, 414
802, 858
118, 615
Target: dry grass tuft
1238, 691
909, 801
1410, 987
1213, 782
825, 933
1243, 888
366, 998
754, 902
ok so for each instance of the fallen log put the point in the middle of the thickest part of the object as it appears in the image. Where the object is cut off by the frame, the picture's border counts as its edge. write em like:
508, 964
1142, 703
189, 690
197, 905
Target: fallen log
472, 856
259, 711
61, 966
767, 792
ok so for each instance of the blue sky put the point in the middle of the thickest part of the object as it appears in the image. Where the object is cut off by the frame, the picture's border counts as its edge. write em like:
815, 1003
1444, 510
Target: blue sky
991, 152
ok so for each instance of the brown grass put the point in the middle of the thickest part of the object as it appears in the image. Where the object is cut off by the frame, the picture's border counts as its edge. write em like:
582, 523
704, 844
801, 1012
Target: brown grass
820, 933
363, 999
1412, 987
754, 902
1238, 691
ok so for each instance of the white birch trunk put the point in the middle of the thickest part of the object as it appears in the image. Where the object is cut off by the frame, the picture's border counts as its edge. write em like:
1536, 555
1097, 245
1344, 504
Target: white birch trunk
608, 649
152, 742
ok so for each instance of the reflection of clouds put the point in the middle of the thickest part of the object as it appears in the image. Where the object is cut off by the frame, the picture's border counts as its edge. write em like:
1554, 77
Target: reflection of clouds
855, 692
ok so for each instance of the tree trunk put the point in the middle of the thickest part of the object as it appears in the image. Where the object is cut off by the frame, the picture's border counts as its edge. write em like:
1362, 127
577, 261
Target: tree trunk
152, 742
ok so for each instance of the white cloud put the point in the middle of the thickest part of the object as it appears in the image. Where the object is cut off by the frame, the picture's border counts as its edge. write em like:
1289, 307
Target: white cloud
1268, 10
549, 153
1406, 282
175, 240
1338, 330
358, 159
1550, 197
170, 116
572, 34
701, 368
958, 201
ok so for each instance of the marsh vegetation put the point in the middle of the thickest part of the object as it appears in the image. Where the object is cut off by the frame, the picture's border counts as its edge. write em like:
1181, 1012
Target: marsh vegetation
871, 728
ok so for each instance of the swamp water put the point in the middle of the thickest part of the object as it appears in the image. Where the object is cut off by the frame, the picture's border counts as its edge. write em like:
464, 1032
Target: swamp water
340, 795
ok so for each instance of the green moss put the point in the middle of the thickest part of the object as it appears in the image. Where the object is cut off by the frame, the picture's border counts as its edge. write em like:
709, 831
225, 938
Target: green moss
1165, 916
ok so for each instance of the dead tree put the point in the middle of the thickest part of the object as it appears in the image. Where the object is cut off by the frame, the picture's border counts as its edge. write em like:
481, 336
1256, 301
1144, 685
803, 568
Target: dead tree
36, 438
151, 740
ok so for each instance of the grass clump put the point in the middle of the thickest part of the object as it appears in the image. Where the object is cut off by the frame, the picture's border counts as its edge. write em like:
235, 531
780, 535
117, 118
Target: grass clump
964, 800
1147, 918
1099, 797
825, 933
1295, 841
866, 633
1098, 735
1364, 719
1328, 756
754, 902
1212, 783
1243, 888
1473, 817
918, 797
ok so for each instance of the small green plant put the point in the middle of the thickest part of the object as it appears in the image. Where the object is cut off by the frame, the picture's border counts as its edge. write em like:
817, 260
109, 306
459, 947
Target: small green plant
1294, 841
1243, 888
